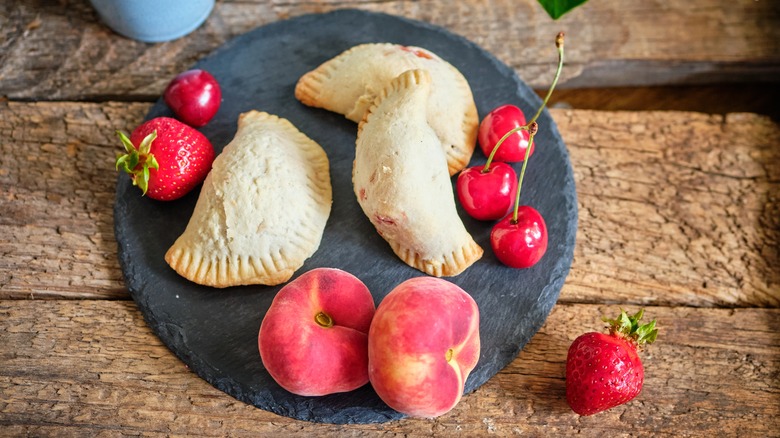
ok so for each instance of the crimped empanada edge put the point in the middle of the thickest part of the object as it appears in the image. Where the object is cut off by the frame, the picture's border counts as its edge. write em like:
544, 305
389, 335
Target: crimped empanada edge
219, 273
455, 263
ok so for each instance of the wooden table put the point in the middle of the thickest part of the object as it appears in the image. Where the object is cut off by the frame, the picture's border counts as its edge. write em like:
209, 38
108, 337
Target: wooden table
679, 213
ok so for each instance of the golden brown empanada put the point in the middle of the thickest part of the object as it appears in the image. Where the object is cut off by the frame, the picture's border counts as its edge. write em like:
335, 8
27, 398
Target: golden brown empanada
349, 83
401, 181
262, 209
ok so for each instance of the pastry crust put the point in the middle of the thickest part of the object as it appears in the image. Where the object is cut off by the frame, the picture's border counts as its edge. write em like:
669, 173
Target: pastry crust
349, 83
262, 209
401, 181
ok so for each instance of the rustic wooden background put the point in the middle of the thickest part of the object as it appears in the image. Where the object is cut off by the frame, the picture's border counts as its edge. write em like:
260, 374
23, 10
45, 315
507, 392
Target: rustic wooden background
679, 212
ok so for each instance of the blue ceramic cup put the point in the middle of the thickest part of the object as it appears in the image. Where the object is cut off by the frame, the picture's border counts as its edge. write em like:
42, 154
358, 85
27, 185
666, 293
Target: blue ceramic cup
153, 21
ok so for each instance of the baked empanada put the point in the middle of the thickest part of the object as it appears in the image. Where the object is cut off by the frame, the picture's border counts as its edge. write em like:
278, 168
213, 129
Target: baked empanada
349, 83
401, 181
262, 209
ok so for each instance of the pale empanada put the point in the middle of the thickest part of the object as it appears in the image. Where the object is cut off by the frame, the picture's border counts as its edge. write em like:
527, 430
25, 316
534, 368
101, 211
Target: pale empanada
349, 83
262, 209
401, 181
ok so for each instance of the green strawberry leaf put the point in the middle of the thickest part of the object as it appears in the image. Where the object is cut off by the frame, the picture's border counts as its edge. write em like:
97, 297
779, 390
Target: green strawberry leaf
626, 323
127, 162
143, 182
151, 162
129, 148
135, 157
146, 143
646, 333
628, 327
556, 8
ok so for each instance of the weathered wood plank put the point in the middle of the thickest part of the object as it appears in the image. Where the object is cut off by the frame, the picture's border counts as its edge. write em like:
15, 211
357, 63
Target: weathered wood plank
94, 368
711, 99
57, 192
60, 50
675, 208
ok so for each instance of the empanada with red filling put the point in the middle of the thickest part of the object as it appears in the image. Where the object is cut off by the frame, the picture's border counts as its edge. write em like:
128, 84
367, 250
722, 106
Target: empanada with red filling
401, 181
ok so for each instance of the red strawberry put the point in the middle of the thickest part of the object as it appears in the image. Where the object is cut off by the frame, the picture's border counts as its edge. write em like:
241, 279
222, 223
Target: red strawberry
166, 158
604, 370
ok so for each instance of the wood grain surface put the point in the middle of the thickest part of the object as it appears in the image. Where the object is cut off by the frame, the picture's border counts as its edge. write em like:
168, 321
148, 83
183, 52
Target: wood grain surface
60, 50
94, 368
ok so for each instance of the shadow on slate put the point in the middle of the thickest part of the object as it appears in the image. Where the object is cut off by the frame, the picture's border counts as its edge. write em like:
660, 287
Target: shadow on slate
214, 331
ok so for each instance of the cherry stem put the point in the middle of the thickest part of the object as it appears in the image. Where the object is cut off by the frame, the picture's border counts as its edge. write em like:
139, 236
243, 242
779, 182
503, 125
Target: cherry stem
489, 161
531, 132
559, 46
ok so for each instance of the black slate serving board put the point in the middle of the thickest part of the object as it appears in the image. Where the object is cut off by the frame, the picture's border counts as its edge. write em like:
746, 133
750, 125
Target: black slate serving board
215, 331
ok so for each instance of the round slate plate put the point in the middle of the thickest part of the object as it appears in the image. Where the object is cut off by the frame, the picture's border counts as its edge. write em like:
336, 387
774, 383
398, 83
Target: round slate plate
215, 331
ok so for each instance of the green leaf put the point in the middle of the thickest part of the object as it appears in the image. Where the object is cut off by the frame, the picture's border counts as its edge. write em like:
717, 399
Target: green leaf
626, 324
151, 162
143, 184
121, 162
646, 333
556, 8
127, 162
146, 143
650, 338
630, 328
129, 148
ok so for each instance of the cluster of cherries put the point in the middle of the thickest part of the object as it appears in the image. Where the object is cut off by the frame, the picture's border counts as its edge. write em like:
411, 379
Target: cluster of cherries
491, 191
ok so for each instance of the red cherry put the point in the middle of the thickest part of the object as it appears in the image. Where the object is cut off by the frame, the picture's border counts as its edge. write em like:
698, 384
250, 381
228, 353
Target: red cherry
521, 243
495, 125
194, 96
487, 195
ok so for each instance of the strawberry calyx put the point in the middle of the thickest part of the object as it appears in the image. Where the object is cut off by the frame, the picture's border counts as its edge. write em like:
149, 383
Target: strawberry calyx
628, 327
137, 162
